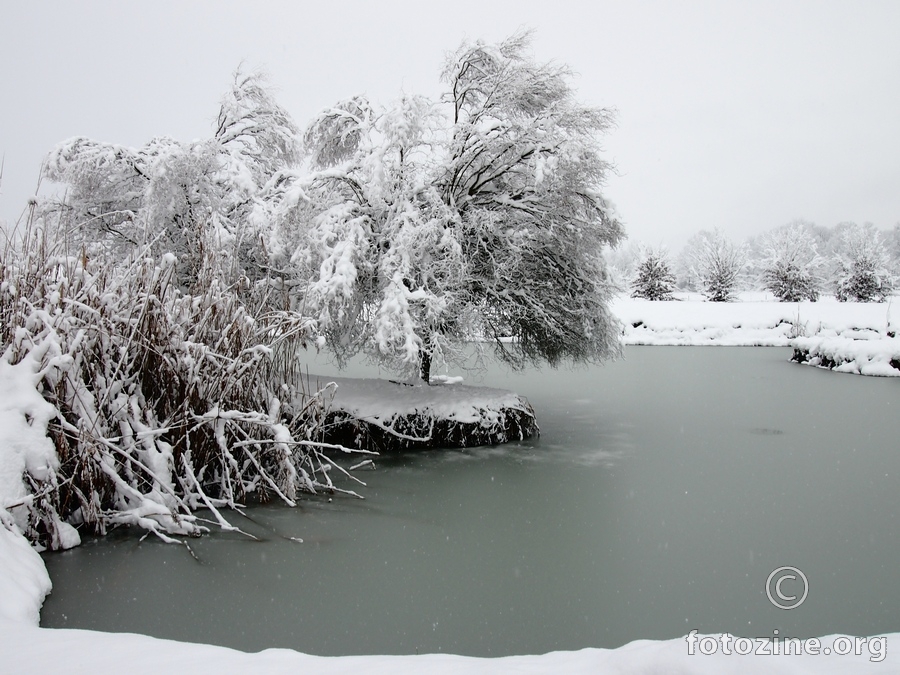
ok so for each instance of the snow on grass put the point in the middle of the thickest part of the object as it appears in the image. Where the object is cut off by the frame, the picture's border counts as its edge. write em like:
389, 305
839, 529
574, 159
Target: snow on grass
754, 320
850, 337
24, 445
23, 429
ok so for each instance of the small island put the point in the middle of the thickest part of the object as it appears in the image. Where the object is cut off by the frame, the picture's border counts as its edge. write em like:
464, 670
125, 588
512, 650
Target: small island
389, 415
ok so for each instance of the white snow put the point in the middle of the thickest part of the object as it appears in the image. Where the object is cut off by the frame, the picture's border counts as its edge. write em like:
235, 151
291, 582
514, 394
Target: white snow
24, 415
24, 582
26, 648
853, 335
863, 355
378, 400
23, 428
754, 320
23, 579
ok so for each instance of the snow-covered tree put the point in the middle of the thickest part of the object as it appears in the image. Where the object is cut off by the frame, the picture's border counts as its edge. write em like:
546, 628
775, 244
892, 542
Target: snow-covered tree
717, 264
654, 279
425, 223
791, 263
187, 198
684, 266
863, 265
621, 263
892, 241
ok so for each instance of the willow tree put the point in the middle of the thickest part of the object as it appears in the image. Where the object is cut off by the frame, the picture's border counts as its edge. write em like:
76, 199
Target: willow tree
194, 199
427, 223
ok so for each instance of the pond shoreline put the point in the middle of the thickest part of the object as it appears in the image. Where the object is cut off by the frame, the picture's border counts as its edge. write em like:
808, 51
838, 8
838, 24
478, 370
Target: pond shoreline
568, 527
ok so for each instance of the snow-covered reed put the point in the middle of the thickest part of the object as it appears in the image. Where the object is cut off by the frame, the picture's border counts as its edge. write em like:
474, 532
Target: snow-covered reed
158, 401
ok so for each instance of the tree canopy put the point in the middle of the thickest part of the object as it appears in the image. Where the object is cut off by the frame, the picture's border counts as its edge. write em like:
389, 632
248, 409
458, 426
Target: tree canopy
401, 231
717, 263
479, 215
192, 199
863, 266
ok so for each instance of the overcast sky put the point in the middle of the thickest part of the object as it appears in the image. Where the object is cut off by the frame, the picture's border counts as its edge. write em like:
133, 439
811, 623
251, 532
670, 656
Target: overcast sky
737, 115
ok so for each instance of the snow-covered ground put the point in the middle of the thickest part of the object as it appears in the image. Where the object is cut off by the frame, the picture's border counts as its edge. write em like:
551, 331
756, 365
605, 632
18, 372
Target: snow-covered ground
24, 647
851, 337
754, 320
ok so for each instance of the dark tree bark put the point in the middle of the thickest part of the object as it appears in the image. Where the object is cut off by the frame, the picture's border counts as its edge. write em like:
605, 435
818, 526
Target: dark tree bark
425, 366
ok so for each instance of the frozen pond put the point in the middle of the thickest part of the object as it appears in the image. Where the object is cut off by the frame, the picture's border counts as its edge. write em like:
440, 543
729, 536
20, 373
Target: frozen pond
663, 491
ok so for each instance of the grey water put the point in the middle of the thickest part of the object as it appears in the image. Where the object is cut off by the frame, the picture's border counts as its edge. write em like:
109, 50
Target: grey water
663, 491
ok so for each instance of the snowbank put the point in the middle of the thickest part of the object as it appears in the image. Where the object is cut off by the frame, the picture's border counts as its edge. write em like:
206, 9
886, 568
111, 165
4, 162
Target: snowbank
385, 415
862, 355
752, 321
850, 337
24, 581
24, 445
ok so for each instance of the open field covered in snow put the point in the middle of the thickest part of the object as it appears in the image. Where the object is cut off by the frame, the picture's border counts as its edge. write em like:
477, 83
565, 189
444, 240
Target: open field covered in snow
849, 337
754, 320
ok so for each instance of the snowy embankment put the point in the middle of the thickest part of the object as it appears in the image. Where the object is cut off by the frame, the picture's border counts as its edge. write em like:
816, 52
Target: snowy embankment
864, 354
385, 415
853, 337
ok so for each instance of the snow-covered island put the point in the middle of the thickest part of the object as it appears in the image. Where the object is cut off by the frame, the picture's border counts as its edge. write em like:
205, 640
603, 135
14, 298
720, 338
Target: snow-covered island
387, 415
865, 353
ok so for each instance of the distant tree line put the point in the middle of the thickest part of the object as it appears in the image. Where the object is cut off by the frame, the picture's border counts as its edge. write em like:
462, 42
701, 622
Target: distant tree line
794, 262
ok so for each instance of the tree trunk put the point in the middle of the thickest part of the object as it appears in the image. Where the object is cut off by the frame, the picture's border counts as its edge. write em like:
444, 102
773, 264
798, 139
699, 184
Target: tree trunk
425, 366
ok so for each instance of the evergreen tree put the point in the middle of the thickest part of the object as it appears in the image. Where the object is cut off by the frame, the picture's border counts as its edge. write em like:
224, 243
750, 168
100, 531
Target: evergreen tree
654, 279
791, 264
717, 264
864, 273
